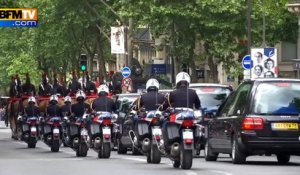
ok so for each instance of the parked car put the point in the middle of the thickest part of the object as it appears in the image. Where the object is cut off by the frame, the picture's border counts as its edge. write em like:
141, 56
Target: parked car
260, 118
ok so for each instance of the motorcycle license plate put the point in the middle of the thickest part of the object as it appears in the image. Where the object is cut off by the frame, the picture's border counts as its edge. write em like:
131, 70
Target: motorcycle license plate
156, 131
33, 129
187, 135
55, 131
106, 131
83, 132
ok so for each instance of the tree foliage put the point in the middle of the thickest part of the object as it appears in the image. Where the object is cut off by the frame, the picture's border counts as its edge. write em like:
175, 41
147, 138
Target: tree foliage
70, 27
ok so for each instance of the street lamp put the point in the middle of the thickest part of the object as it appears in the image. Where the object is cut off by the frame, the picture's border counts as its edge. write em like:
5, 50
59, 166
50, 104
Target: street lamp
294, 7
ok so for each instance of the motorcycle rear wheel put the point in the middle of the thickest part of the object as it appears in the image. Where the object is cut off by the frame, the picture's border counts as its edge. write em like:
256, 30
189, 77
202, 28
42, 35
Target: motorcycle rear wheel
31, 142
55, 146
105, 150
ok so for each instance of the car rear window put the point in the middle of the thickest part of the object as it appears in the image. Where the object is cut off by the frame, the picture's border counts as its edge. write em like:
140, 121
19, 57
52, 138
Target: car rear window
277, 98
212, 97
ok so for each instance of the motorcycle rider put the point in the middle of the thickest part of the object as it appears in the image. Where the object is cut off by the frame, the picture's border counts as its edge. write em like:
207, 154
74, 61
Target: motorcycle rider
181, 97
152, 99
53, 110
31, 110
103, 102
80, 107
66, 108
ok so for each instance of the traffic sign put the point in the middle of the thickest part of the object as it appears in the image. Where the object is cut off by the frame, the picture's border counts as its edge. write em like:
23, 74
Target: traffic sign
126, 82
247, 62
126, 72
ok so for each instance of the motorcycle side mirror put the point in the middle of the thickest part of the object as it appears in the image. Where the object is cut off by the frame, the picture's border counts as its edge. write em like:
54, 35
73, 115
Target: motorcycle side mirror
114, 117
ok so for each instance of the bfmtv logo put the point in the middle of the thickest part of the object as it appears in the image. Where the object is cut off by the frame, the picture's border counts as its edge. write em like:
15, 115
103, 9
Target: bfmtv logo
18, 17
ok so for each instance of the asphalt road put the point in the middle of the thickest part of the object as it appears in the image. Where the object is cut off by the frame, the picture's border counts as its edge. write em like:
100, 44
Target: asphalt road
17, 159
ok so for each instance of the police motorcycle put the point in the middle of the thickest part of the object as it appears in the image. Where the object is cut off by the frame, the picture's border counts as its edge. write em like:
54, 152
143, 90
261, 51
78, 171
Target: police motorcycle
52, 131
180, 132
102, 129
77, 137
29, 125
147, 135
29, 130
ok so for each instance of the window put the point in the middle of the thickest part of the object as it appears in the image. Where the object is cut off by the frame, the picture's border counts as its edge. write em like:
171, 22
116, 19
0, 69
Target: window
240, 100
236, 101
277, 98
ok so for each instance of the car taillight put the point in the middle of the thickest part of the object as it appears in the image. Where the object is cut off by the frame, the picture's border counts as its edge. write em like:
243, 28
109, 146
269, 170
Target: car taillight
253, 123
106, 122
187, 123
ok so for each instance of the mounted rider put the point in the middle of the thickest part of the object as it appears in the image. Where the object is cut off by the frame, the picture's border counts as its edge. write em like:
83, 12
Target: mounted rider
45, 87
57, 88
28, 88
89, 86
74, 85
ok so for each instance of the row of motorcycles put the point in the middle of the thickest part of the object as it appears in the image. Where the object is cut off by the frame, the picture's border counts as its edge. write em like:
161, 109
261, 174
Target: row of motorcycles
174, 133
79, 133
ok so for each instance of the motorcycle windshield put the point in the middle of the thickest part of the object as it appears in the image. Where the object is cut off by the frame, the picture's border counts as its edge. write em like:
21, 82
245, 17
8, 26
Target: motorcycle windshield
104, 115
184, 115
55, 119
150, 114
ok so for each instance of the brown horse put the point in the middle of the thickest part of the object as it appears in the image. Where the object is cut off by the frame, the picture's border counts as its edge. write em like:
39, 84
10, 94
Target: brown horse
13, 113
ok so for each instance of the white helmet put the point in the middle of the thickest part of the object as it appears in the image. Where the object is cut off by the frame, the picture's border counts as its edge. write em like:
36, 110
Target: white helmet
68, 99
80, 94
103, 88
183, 76
152, 83
54, 98
31, 99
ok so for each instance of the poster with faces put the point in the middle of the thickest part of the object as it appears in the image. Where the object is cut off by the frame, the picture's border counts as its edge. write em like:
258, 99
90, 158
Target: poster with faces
264, 63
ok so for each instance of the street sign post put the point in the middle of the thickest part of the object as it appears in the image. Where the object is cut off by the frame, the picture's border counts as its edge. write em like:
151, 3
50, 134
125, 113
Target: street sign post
247, 62
126, 82
126, 72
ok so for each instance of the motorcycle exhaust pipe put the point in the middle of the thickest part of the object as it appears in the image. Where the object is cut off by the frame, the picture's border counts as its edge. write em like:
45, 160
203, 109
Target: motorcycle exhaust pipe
97, 143
175, 149
146, 145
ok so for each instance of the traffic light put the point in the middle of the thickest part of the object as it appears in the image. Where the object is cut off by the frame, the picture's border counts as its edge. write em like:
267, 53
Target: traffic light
83, 62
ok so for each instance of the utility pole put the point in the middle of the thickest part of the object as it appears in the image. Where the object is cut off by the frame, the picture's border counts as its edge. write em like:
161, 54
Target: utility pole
264, 44
249, 25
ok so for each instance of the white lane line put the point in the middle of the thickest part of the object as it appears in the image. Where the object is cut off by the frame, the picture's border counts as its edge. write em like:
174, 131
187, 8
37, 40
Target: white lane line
221, 172
134, 159
189, 172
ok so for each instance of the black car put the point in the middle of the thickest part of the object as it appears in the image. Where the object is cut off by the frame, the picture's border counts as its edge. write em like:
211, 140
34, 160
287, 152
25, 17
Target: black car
260, 118
125, 103
211, 96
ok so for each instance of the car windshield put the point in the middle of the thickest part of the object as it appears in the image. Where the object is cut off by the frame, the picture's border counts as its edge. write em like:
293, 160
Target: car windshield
212, 97
277, 98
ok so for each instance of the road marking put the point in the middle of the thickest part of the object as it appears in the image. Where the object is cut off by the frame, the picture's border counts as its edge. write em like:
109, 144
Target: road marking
189, 172
221, 172
134, 159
